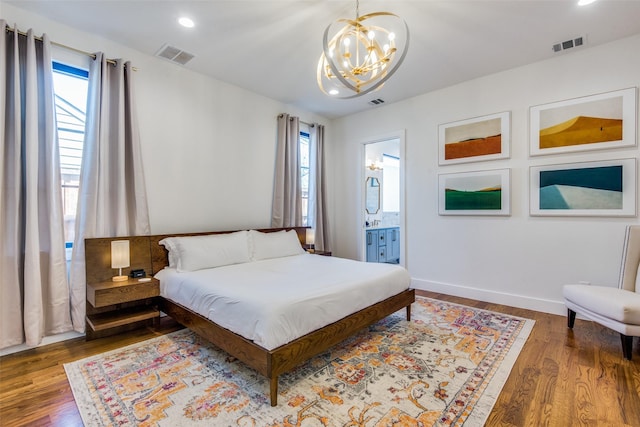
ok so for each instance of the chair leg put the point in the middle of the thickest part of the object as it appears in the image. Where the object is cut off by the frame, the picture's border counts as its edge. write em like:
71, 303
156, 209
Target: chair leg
571, 318
627, 346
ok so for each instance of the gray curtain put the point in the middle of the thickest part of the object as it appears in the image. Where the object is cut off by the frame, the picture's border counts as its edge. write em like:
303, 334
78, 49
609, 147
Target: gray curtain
286, 210
317, 190
112, 198
34, 293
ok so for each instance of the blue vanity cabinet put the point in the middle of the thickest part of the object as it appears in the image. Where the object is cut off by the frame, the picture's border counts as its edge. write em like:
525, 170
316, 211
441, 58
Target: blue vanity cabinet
372, 245
393, 245
383, 245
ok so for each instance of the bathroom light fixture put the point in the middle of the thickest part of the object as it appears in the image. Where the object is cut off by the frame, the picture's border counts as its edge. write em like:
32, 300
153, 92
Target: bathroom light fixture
374, 165
361, 56
119, 258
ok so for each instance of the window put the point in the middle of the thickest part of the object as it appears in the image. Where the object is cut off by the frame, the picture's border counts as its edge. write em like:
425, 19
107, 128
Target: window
304, 175
70, 86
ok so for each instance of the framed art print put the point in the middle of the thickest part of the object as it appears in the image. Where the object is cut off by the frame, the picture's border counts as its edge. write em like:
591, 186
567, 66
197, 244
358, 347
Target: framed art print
475, 193
606, 120
476, 139
604, 188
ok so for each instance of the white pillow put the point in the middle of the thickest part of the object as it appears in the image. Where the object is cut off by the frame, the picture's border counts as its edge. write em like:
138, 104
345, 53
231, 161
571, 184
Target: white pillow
193, 253
275, 244
170, 247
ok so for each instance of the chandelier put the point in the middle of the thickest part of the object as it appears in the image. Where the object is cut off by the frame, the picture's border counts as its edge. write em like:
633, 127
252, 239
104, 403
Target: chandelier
361, 55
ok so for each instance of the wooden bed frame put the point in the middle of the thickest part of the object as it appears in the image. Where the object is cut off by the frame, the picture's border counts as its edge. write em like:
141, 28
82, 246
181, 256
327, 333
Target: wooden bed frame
272, 363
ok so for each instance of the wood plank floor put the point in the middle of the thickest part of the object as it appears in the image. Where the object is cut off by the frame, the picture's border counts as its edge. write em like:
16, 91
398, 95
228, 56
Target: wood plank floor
562, 377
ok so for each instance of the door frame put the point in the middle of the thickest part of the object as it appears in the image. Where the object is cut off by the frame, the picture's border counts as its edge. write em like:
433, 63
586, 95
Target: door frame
400, 136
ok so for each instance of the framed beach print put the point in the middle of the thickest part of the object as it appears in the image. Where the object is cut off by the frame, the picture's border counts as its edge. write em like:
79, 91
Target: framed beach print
606, 120
476, 139
604, 188
475, 193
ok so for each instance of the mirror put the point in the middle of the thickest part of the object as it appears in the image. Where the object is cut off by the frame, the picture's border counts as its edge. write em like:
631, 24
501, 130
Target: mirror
372, 194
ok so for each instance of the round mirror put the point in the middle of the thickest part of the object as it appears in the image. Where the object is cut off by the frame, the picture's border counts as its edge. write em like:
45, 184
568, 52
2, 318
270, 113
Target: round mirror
372, 194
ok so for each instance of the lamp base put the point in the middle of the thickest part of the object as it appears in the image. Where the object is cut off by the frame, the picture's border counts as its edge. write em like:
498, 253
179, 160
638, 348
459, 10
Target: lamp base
119, 278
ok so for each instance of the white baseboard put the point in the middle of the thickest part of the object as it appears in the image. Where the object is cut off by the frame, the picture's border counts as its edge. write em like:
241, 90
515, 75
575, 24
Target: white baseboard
45, 341
513, 300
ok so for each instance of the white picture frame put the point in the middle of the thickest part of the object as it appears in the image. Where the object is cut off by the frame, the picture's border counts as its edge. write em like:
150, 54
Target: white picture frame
486, 192
475, 139
596, 122
601, 188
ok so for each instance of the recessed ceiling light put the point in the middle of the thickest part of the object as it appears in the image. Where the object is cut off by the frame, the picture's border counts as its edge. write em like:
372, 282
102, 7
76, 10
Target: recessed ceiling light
186, 22
585, 2
333, 92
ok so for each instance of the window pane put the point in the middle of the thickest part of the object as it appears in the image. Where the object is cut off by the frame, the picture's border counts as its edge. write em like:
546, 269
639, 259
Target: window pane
304, 175
70, 89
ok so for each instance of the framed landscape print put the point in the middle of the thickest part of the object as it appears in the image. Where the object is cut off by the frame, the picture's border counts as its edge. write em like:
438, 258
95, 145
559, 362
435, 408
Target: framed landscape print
605, 188
475, 193
606, 120
472, 140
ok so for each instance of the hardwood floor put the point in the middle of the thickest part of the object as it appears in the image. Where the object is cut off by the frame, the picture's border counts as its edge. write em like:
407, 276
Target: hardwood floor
34, 390
561, 378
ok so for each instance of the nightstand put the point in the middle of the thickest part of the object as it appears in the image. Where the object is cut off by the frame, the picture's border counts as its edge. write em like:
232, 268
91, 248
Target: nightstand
325, 253
113, 307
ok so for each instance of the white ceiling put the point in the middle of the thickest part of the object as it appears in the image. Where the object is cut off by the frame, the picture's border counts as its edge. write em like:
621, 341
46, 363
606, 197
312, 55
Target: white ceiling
272, 47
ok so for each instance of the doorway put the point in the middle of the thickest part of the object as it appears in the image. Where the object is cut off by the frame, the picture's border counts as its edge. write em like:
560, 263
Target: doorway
383, 237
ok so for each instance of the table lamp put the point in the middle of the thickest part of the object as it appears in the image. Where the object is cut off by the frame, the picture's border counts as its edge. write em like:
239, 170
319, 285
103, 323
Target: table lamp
310, 239
119, 258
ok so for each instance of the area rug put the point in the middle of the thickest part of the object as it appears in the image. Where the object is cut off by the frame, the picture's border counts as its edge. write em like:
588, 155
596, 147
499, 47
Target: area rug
444, 367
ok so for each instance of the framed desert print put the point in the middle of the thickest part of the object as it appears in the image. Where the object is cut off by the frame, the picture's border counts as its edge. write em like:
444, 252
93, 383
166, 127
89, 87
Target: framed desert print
603, 188
475, 193
476, 139
606, 120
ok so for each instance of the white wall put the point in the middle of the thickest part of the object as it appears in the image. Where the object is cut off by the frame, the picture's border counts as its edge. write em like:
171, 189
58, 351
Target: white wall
209, 147
518, 260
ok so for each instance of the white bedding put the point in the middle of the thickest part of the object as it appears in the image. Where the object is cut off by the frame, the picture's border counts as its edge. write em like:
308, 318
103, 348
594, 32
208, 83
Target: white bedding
275, 301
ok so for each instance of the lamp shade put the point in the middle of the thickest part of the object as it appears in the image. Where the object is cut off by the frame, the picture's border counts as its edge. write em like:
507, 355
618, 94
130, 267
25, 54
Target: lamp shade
119, 253
119, 258
311, 236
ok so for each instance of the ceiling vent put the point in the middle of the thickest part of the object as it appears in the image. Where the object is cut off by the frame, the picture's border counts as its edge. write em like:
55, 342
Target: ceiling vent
569, 44
174, 54
377, 101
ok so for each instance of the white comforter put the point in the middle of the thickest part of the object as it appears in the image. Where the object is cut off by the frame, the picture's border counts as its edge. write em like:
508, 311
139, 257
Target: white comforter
275, 301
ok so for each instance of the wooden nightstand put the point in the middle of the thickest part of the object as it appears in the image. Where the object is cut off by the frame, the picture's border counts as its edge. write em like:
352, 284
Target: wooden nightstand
325, 253
113, 307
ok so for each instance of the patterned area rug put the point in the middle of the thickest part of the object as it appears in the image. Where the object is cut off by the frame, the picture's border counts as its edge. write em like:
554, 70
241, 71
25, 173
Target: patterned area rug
445, 367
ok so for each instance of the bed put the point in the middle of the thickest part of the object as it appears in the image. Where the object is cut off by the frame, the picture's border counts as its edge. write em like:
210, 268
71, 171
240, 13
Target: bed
258, 296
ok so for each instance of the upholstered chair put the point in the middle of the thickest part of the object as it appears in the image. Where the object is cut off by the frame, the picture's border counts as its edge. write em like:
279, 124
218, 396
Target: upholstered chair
616, 308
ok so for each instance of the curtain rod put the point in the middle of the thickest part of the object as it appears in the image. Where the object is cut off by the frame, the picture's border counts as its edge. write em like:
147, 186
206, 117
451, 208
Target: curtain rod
304, 123
89, 54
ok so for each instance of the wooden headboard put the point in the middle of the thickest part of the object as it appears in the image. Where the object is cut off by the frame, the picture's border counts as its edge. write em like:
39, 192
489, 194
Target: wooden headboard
145, 251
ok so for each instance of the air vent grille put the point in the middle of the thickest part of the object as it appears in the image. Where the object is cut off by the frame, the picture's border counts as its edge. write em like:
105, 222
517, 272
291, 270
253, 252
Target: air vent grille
377, 101
569, 44
174, 54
